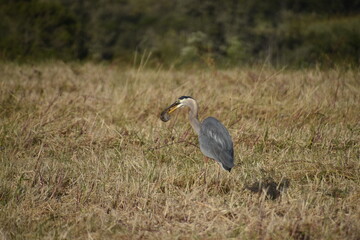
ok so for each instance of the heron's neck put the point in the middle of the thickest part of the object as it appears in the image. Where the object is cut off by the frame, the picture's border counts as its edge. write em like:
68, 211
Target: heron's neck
193, 116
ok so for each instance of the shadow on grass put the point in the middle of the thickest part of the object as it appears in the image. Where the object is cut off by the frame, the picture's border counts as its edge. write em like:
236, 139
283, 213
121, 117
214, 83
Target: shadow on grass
269, 187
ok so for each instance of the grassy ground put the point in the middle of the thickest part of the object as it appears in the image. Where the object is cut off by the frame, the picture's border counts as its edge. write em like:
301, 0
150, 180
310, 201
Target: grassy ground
85, 156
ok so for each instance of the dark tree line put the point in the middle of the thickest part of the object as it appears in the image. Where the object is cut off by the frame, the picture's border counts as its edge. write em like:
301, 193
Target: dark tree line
299, 32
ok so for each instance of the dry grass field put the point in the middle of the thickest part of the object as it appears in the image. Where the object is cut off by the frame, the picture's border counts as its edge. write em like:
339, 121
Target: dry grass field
84, 155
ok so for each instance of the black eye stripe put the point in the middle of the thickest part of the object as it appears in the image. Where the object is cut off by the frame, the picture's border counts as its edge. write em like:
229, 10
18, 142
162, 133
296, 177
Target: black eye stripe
184, 97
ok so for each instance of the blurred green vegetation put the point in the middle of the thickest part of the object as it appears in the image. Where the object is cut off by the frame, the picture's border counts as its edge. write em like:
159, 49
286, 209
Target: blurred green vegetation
176, 32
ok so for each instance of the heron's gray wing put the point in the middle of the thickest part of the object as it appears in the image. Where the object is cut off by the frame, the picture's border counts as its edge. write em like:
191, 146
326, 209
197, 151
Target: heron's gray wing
215, 142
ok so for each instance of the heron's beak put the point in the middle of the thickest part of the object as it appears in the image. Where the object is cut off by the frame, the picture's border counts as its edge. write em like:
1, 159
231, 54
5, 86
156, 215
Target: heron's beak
174, 106
165, 115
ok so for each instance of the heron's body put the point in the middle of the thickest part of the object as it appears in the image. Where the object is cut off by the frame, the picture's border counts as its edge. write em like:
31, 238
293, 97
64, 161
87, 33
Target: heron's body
215, 140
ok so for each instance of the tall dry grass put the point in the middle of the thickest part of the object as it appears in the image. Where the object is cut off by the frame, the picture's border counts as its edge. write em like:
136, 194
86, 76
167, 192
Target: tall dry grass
85, 156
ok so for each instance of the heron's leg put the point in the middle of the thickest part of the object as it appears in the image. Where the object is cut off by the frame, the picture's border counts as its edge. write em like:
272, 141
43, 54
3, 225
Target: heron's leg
205, 174
218, 177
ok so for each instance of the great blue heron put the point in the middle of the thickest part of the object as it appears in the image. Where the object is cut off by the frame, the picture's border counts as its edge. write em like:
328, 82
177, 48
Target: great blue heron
215, 140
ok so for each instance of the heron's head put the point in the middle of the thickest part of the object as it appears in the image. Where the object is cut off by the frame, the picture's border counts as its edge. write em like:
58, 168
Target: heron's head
180, 102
